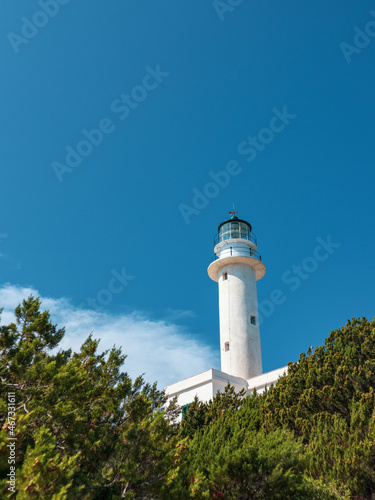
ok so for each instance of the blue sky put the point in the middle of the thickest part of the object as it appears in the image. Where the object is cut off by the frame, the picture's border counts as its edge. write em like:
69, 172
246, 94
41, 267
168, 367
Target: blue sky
176, 90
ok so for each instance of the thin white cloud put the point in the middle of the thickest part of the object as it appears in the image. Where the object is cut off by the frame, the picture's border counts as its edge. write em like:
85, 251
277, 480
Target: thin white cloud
164, 352
172, 315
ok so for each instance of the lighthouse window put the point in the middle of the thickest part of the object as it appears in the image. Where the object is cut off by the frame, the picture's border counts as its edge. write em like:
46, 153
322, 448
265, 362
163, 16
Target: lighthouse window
225, 276
226, 346
252, 320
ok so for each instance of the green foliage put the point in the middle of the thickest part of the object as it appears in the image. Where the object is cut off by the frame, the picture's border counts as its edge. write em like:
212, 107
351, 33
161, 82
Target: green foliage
327, 398
310, 436
325, 380
46, 472
84, 429
200, 414
231, 458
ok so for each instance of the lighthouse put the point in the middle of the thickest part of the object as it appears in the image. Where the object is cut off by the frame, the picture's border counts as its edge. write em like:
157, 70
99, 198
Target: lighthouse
237, 267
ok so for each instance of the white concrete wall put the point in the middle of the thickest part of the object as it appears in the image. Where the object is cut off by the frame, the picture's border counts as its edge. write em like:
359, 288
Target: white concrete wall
260, 382
205, 385
237, 303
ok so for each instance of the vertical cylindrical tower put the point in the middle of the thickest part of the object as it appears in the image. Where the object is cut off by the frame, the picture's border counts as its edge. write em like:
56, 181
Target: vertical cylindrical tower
237, 267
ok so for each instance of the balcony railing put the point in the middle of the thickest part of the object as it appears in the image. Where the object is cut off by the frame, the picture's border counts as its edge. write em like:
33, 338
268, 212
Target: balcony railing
244, 253
235, 233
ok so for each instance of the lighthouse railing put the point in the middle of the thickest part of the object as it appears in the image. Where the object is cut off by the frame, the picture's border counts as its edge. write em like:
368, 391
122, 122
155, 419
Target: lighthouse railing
244, 253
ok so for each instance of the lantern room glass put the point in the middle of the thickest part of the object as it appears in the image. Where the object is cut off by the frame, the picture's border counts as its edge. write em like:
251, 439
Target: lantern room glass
234, 229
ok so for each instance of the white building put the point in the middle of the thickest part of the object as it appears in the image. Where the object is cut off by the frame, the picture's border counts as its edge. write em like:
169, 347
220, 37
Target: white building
237, 267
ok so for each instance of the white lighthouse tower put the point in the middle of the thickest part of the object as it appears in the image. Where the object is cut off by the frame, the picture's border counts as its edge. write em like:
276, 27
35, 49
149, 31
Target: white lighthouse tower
237, 267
